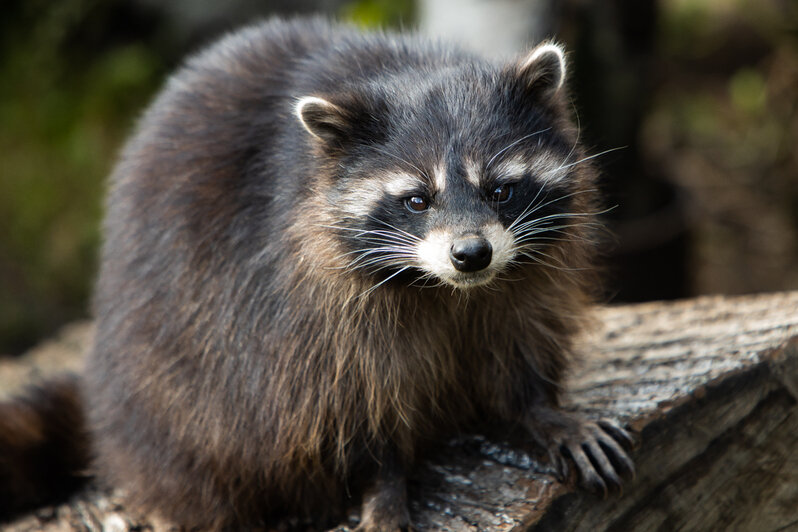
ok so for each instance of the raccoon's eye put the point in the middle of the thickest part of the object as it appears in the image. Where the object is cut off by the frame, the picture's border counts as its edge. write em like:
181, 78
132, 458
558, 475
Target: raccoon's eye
417, 203
502, 193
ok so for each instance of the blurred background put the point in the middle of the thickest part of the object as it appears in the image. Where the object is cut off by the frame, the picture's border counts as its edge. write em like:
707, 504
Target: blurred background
701, 94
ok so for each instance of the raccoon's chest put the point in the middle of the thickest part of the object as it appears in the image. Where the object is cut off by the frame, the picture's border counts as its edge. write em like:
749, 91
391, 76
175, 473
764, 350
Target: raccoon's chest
460, 367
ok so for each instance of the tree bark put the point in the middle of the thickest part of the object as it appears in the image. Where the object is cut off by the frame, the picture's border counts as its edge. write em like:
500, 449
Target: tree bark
709, 386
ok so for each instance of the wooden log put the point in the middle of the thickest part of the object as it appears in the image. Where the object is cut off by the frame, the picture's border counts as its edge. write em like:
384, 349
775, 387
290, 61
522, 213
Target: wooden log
709, 385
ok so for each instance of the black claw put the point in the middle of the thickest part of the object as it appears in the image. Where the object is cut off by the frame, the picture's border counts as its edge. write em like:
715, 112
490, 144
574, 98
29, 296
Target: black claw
603, 465
619, 459
593, 455
557, 462
567, 459
617, 453
617, 433
562, 467
591, 479
595, 484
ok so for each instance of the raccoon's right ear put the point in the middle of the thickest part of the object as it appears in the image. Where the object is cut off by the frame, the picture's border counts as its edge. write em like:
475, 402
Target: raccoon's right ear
542, 71
324, 120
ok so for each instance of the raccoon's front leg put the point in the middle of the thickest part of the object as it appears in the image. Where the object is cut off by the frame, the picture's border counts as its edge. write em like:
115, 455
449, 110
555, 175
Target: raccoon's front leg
599, 450
385, 501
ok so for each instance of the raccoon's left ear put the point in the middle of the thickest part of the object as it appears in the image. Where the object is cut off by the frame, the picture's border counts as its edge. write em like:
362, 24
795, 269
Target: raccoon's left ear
323, 119
543, 69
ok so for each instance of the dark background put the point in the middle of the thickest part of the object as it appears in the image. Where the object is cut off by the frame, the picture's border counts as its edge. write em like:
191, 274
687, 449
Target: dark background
701, 95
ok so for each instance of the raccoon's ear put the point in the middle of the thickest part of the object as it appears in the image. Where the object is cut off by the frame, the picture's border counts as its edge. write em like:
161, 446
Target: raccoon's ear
542, 71
323, 119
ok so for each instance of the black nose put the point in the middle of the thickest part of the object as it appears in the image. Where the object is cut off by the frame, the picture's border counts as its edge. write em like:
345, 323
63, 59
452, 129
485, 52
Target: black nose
470, 254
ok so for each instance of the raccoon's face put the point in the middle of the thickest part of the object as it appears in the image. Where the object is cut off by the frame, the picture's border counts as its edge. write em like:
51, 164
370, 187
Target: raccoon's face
471, 177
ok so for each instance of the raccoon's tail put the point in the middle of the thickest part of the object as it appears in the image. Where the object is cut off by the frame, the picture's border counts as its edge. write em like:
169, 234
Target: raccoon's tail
44, 447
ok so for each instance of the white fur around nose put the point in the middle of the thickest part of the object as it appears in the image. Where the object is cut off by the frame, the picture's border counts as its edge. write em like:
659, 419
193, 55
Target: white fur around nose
433, 254
502, 243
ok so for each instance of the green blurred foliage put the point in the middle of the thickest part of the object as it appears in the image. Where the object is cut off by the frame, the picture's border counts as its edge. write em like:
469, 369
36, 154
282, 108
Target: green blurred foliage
67, 100
748, 92
379, 13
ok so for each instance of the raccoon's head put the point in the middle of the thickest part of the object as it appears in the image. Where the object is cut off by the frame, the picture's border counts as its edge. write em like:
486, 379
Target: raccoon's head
453, 175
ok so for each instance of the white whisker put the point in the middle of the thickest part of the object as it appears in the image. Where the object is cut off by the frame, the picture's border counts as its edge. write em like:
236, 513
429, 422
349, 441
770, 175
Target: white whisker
528, 211
370, 290
414, 237
564, 166
490, 161
401, 236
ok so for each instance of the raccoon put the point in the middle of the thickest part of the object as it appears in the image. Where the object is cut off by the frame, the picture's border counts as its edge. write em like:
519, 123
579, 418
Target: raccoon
326, 253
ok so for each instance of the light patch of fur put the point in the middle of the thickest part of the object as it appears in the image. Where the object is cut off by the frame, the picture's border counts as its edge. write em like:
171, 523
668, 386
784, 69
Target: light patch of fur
360, 202
544, 168
472, 173
400, 184
513, 169
440, 177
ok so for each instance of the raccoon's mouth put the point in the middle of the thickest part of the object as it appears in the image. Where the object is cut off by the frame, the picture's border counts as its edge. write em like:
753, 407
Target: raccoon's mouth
471, 279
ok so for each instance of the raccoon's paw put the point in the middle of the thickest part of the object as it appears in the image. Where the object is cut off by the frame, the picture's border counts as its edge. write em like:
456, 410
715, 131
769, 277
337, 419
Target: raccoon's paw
598, 450
382, 515
391, 526
385, 503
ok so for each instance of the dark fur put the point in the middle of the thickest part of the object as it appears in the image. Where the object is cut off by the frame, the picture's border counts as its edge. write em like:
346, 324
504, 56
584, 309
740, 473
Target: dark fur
239, 373
43, 447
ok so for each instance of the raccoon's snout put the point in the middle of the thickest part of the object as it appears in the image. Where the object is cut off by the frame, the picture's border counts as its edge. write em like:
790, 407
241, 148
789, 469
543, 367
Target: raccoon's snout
471, 253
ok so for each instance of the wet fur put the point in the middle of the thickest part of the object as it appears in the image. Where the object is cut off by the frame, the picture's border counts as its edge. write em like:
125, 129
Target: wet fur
243, 370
